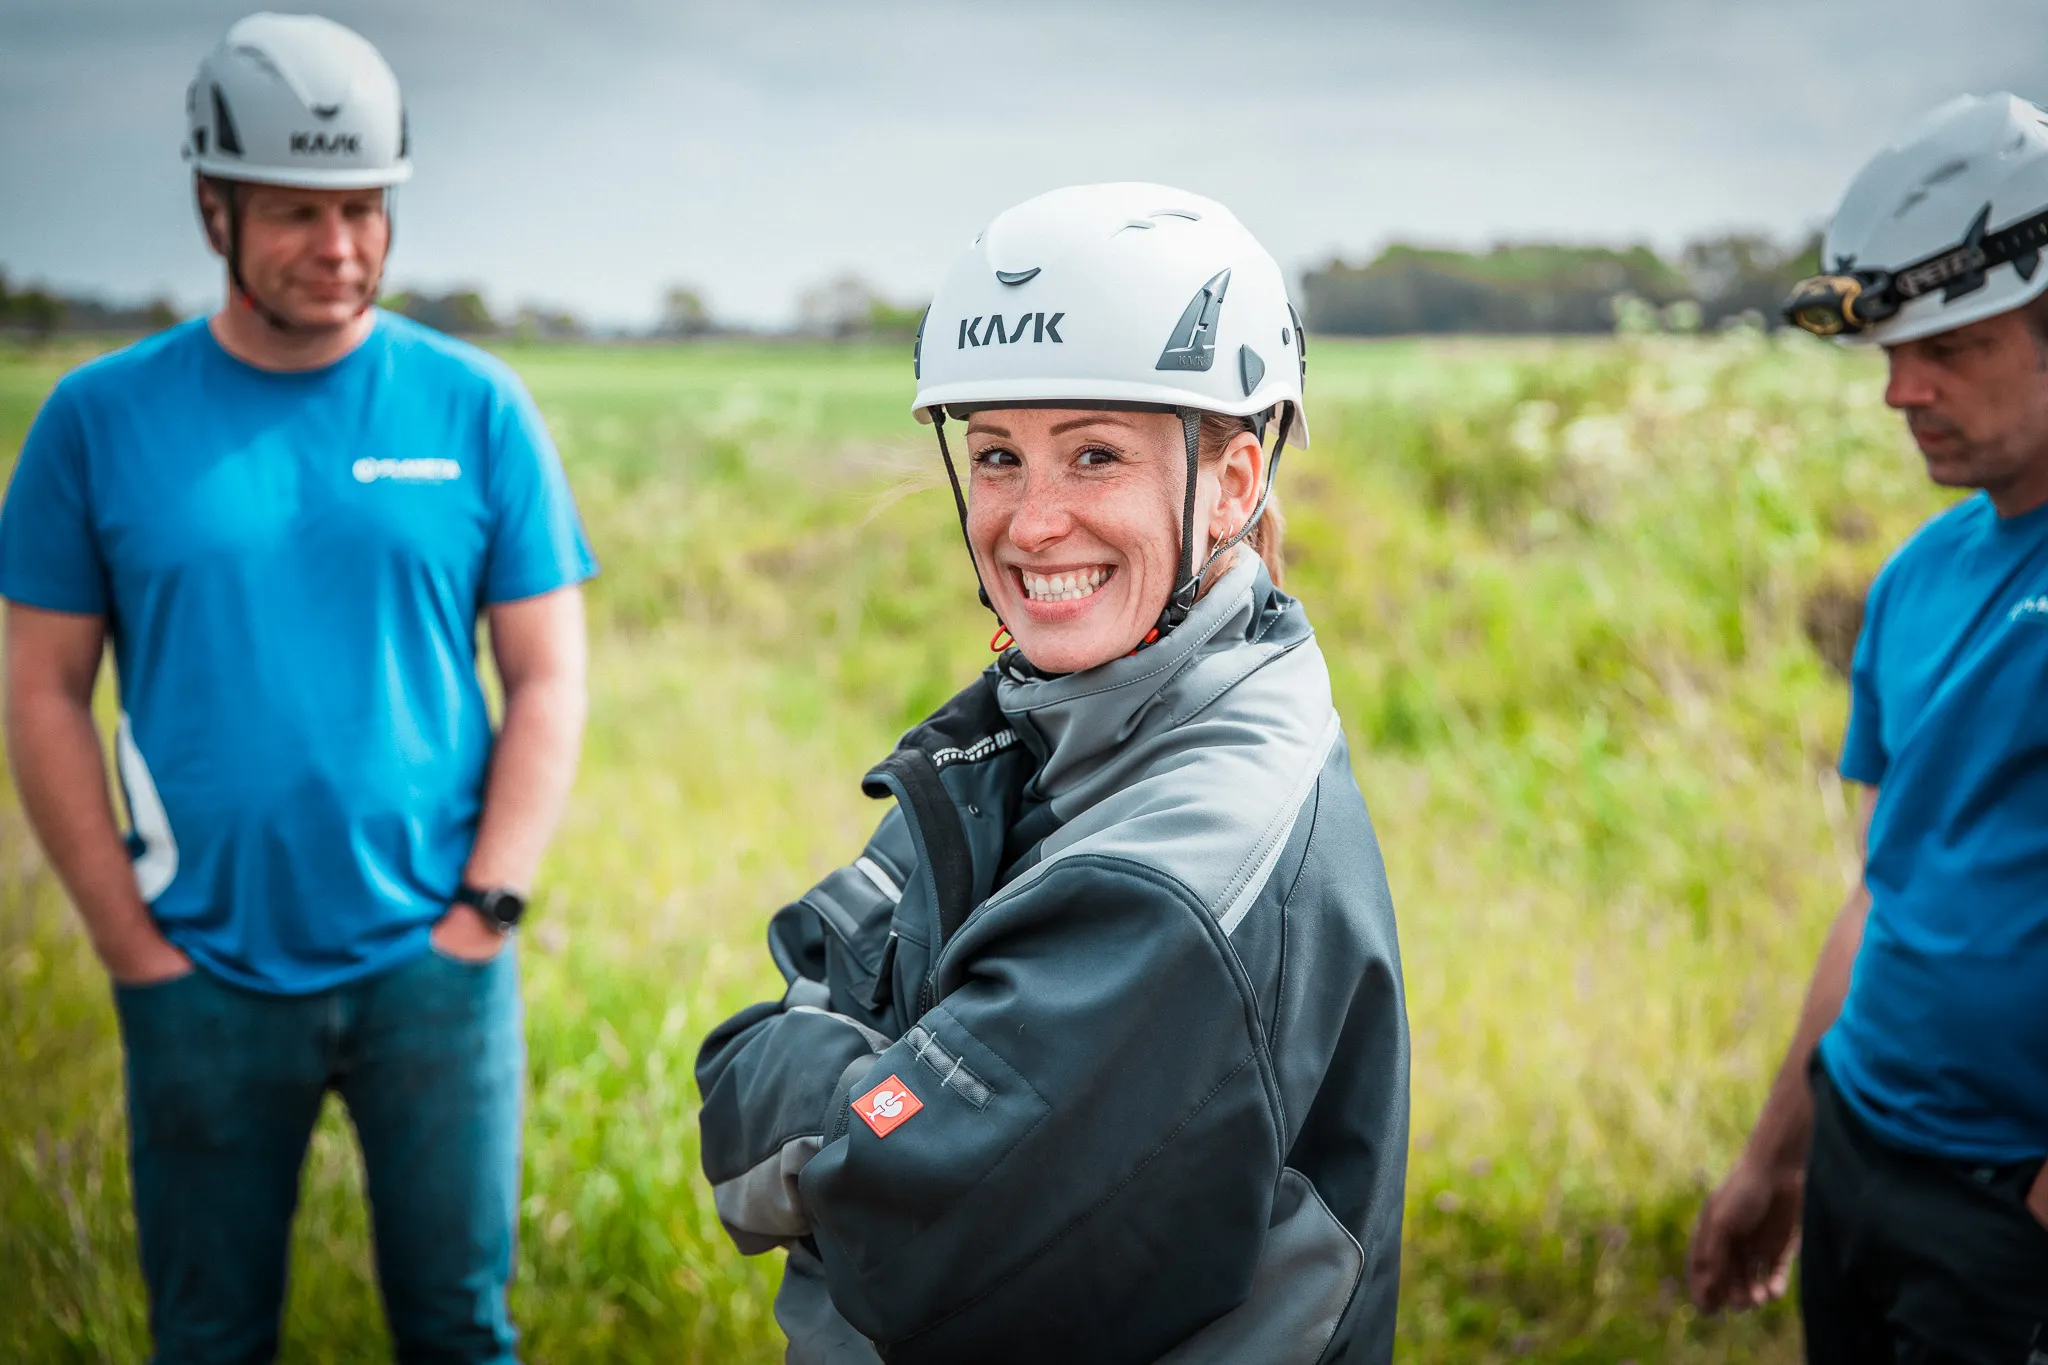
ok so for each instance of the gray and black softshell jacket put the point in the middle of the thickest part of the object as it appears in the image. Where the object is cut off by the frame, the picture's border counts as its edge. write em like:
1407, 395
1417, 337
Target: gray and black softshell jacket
1125, 941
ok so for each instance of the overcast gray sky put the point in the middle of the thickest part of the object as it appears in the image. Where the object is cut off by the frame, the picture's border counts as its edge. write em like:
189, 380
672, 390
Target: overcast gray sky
590, 154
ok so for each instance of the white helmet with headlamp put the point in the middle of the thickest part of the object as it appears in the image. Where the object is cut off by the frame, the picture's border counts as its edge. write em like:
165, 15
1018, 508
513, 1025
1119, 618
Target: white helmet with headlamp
1943, 228
1123, 295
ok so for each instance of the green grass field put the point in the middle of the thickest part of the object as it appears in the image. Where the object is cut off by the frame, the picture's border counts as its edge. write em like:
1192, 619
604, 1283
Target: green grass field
1561, 588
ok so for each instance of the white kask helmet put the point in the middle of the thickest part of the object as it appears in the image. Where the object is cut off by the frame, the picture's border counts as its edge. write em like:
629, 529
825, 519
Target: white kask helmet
294, 99
1126, 293
1117, 295
1938, 221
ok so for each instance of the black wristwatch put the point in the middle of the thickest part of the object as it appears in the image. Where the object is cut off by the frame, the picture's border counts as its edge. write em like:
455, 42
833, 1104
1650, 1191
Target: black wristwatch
500, 906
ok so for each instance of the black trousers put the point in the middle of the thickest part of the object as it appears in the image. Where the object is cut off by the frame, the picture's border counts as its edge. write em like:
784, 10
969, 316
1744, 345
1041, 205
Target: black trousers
1914, 1260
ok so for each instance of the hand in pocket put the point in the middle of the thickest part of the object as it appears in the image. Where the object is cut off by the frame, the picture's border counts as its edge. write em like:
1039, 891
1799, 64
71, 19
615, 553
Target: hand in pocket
463, 935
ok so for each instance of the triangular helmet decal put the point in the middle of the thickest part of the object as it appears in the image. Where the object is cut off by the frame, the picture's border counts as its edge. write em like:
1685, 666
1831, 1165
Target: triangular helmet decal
224, 135
1193, 343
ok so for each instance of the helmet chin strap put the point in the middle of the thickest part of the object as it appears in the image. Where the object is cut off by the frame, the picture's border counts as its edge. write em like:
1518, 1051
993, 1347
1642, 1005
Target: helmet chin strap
960, 506
1183, 599
230, 190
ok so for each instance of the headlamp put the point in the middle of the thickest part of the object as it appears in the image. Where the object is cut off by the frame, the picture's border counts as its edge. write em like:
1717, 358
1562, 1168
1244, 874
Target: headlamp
1829, 305
1853, 300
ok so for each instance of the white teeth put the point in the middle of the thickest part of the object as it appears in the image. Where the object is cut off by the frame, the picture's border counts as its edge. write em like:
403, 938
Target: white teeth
1065, 587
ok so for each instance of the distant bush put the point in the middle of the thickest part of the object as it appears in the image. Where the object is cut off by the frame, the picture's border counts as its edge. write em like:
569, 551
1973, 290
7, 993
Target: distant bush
1545, 288
1510, 289
39, 313
459, 312
848, 307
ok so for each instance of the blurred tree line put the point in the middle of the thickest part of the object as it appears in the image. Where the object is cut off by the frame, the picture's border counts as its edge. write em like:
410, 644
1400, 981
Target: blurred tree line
1405, 290
1534, 287
848, 307
843, 308
38, 312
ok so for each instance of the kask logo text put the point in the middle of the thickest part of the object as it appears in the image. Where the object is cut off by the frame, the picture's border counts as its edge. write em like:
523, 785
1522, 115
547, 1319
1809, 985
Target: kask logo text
991, 331
2035, 607
304, 144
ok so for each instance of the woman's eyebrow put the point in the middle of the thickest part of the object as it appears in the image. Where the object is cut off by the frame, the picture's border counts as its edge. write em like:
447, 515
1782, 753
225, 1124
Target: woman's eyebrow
1093, 419
989, 427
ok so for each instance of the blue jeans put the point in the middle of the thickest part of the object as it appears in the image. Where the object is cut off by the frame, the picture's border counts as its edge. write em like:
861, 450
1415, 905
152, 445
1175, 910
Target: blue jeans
224, 1086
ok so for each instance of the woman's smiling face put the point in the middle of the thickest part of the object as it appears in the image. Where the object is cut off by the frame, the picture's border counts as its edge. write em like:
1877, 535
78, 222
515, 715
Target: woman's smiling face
1074, 516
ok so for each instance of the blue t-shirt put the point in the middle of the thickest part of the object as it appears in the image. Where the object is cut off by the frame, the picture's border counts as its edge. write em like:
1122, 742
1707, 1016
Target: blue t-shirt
291, 567
1942, 1043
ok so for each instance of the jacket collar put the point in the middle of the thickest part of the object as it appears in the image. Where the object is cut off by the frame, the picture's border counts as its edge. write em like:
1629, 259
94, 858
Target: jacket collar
1078, 722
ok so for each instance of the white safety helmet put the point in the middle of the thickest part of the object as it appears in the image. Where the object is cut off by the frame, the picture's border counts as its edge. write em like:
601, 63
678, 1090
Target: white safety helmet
1122, 295
1126, 293
294, 99
1943, 228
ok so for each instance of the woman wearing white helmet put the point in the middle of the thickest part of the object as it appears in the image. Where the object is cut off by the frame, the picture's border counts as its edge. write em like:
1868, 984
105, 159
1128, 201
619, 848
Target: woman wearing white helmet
1098, 1051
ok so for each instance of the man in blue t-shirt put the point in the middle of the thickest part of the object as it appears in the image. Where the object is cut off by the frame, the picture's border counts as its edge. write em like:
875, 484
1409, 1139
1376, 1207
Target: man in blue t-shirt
287, 520
1901, 1149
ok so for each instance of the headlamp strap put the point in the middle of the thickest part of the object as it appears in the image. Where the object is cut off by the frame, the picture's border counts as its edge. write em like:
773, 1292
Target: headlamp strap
1957, 269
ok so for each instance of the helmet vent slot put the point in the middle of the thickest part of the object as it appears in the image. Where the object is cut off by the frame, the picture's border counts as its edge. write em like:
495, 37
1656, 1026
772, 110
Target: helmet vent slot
256, 56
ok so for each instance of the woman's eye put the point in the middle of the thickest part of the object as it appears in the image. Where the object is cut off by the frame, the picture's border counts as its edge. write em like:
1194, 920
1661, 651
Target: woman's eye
1094, 457
995, 457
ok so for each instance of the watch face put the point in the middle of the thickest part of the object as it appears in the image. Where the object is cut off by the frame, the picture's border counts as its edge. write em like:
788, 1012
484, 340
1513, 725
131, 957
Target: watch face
499, 907
504, 908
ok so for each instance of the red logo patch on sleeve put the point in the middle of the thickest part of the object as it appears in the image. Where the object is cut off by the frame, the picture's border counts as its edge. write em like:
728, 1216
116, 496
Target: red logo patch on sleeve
887, 1107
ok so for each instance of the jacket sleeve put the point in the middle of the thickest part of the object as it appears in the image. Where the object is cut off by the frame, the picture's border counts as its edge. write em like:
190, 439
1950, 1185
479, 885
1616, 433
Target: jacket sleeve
770, 1074
1091, 1158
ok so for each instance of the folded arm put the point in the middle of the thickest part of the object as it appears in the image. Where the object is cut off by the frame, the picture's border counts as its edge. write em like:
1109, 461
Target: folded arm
1098, 1142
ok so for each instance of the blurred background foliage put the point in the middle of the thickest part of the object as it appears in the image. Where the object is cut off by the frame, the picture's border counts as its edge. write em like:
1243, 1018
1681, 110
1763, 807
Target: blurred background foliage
1538, 288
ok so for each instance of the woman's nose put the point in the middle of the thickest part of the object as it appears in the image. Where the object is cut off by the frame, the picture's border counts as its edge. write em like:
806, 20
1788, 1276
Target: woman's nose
1041, 517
